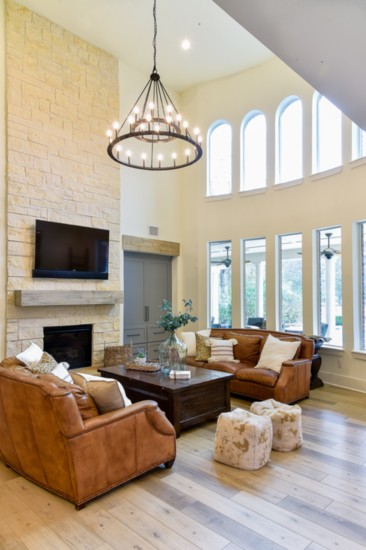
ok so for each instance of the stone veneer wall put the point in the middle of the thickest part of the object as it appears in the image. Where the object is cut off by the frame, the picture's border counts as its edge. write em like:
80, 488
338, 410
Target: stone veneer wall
62, 95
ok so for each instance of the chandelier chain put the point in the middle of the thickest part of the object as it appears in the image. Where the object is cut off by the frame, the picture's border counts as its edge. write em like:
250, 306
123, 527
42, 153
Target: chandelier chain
155, 33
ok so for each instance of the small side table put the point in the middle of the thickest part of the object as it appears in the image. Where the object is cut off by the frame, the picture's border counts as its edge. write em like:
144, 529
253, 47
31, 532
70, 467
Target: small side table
315, 381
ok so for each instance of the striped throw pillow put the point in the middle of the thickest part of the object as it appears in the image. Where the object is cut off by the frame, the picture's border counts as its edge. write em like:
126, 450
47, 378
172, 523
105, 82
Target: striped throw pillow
221, 350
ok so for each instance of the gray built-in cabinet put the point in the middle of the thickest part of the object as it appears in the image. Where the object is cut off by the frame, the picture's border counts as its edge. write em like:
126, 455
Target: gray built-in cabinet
147, 282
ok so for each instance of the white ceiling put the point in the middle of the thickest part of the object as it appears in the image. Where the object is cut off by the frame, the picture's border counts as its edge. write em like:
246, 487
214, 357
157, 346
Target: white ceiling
220, 45
324, 41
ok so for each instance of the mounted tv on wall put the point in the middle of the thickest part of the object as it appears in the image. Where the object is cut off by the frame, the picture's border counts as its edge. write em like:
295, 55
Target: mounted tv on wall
70, 251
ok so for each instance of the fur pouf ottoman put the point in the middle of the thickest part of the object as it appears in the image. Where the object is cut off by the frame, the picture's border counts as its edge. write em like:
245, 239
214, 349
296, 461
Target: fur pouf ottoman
286, 423
243, 440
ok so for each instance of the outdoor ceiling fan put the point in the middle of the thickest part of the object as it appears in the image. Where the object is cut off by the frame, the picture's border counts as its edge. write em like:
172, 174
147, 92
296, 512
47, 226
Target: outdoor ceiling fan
329, 252
226, 261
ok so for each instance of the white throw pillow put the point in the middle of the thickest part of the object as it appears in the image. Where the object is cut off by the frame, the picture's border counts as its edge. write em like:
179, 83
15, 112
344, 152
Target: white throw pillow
189, 338
31, 356
61, 372
221, 350
275, 352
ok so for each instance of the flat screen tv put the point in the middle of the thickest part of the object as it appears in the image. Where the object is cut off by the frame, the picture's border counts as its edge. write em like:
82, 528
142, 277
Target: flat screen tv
70, 251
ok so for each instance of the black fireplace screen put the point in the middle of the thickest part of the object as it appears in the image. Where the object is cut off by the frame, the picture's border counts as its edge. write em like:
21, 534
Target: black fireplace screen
72, 344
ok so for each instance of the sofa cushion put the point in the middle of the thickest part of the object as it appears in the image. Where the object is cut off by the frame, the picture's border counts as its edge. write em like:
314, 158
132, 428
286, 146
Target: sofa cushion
61, 372
189, 338
221, 350
84, 401
203, 351
46, 364
108, 394
275, 352
263, 377
247, 348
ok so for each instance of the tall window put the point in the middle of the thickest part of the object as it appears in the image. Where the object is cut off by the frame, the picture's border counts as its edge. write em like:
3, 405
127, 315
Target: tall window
327, 134
289, 136
362, 287
290, 282
358, 142
330, 322
219, 159
254, 281
253, 151
220, 284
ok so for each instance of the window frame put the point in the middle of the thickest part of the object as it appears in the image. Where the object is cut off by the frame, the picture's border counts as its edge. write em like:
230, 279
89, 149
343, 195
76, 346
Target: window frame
214, 127
250, 117
316, 121
243, 279
283, 106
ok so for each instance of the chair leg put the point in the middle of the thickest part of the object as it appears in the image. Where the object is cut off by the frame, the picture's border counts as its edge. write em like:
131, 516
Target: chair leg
79, 506
169, 464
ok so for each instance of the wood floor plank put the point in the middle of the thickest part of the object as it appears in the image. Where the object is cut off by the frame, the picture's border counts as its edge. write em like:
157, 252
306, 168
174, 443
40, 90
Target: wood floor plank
188, 528
231, 508
34, 533
161, 536
116, 534
292, 519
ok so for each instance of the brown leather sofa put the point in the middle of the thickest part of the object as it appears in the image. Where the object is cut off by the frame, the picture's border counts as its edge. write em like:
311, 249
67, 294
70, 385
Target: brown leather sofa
288, 386
44, 438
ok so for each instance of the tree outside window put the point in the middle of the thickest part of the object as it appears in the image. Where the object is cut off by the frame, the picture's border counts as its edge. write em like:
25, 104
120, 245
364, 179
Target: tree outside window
290, 283
220, 305
254, 279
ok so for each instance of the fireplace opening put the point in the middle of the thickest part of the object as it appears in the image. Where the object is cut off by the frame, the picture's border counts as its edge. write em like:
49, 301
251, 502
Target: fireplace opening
72, 343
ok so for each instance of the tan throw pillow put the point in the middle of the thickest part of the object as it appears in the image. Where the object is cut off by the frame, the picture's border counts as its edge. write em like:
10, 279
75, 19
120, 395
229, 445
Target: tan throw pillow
107, 394
275, 352
247, 348
46, 364
84, 401
203, 351
221, 350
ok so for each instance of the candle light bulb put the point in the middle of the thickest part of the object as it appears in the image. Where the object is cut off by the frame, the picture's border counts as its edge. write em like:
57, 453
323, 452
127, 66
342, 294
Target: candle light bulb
169, 108
136, 109
156, 127
131, 120
151, 106
196, 131
179, 117
185, 124
148, 118
174, 156
169, 119
109, 133
115, 125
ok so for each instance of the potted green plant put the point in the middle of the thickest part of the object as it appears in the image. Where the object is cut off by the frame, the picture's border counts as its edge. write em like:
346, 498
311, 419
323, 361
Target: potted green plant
172, 352
140, 358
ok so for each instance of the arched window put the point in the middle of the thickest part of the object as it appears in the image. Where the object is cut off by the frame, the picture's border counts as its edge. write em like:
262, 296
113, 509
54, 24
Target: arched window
358, 142
327, 134
253, 151
289, 138
219, 159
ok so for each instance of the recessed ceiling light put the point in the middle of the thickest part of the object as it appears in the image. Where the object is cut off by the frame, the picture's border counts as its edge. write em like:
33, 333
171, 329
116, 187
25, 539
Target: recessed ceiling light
185, 45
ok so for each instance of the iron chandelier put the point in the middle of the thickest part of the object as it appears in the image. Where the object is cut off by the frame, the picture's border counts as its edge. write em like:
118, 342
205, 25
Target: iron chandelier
154, 135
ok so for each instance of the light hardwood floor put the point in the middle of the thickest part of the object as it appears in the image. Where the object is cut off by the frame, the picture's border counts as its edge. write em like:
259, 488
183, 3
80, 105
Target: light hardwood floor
312, 498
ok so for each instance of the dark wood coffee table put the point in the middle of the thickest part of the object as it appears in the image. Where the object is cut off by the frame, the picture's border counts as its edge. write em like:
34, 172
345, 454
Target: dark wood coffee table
185, 402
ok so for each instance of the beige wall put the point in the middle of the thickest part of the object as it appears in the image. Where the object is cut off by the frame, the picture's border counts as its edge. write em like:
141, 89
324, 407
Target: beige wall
62, 95
338, 199
3, 209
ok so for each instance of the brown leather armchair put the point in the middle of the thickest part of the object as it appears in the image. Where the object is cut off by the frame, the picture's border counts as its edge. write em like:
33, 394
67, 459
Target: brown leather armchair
44, 438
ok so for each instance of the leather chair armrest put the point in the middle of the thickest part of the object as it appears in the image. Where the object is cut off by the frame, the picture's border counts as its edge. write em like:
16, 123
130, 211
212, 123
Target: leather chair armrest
148, 406
296, 362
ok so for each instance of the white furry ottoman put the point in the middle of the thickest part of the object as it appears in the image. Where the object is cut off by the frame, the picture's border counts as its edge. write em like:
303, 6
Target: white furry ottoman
243, 440
286, 423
